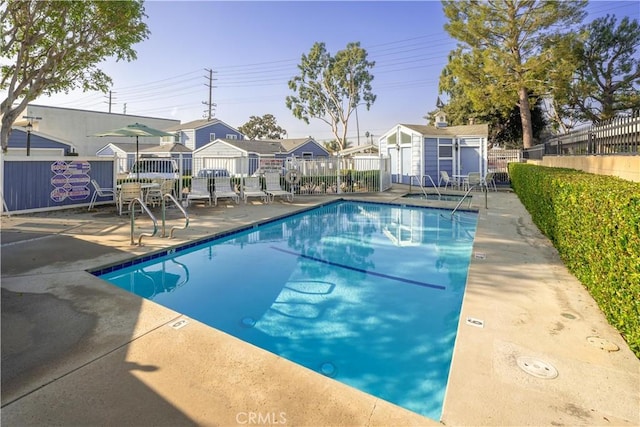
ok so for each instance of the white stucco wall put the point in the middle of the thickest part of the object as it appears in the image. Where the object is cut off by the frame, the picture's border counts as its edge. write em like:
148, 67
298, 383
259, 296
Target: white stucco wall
75, 126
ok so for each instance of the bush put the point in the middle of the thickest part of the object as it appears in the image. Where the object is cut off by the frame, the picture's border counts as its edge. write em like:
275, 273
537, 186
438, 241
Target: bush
594, 223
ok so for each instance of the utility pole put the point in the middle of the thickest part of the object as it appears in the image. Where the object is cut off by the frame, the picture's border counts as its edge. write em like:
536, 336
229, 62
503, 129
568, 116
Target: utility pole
208, 113
110, 102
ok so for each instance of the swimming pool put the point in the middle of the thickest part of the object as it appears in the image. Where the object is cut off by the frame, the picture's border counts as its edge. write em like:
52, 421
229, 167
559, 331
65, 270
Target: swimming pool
366, 293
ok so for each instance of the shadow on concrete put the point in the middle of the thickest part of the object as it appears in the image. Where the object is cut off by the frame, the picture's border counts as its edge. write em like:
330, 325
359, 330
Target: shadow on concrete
65, 335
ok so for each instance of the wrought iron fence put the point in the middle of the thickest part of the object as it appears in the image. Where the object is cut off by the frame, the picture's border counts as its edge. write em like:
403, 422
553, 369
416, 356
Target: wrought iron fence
498, 162
620, 135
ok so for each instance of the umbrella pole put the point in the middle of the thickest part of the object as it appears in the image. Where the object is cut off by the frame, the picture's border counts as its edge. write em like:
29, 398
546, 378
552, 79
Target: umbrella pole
136, 160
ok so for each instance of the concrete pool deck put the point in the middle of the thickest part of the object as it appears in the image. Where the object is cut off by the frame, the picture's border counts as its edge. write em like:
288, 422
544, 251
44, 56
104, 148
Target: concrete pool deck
77, 351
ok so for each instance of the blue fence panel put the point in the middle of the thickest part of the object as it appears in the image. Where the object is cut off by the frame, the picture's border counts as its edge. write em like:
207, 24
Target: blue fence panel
53, 183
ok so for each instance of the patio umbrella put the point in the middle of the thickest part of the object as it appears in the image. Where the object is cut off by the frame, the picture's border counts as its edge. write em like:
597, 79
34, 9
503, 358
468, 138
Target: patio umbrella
137, 130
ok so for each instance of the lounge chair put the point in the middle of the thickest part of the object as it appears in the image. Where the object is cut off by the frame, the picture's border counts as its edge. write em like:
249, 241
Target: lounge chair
100, 191
252, 188
222, 189
199, 190
274, 189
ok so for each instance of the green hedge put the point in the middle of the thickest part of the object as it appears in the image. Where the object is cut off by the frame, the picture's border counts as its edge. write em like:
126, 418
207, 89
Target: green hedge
594, 222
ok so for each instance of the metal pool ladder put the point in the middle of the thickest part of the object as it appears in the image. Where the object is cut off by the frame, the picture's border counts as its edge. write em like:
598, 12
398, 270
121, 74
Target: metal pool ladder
419, 181
471, 187
132, 210
145, 208
184, 212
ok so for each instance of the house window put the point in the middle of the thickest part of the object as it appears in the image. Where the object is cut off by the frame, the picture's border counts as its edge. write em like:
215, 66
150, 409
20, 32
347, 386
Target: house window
212, 137
232, 136
307, 155
445, 151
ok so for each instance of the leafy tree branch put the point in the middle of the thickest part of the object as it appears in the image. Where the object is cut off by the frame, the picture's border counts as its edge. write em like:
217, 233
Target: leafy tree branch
55, 46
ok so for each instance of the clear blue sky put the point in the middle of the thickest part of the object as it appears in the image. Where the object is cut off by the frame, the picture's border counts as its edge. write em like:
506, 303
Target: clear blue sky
254, 48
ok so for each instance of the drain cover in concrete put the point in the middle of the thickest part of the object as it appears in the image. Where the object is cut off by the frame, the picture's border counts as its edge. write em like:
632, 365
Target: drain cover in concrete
537, 368
602, 344
179, 324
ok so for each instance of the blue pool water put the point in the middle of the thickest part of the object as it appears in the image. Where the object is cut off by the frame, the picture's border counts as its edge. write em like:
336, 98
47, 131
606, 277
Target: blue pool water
368, 294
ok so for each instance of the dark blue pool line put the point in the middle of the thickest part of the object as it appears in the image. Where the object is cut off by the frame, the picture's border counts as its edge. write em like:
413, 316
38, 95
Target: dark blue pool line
361, 270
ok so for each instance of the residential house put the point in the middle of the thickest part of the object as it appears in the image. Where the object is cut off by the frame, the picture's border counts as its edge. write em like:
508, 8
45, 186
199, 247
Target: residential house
126, 153
365, 150
38, 143
241, 157
198, 133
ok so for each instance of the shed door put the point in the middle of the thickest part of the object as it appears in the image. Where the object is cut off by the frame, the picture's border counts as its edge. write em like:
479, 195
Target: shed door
400, 165
469, 159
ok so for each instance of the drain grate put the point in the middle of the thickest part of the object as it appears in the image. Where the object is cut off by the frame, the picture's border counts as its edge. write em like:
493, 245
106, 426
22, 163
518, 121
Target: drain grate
536, 367
602, 344
248, 322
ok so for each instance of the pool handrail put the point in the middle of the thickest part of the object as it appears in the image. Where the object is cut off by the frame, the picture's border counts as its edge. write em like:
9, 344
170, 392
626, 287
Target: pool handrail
417, 178
164, 208
471, 187
133, 219
435, 187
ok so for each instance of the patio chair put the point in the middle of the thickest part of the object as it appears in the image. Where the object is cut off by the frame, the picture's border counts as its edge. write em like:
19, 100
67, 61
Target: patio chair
101, 192
222, 189
252, 188
128, 192
155, 194
274, 189
199, 190
490, 181
444, 177
474, 179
